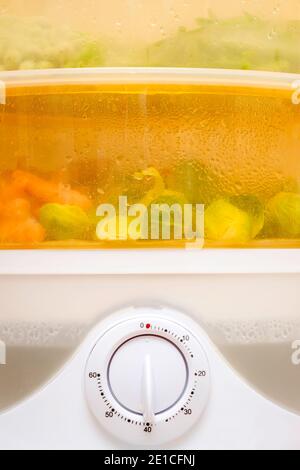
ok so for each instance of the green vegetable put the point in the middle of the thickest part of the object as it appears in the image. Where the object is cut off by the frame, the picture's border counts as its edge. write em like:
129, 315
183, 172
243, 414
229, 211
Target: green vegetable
64, 222
170, 198
246, 43
226, 222
254, 208
195, 181
157, 188
170, 219
33, 43
283, 215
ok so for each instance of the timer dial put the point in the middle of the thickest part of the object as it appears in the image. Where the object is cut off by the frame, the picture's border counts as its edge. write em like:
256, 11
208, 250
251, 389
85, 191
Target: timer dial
148, 375
147, 378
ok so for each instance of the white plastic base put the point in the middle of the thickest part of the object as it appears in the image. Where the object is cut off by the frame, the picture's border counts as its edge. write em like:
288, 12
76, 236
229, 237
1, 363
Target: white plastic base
235, 418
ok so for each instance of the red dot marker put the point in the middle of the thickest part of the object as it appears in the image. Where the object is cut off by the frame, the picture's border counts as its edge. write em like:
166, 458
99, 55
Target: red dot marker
148, 326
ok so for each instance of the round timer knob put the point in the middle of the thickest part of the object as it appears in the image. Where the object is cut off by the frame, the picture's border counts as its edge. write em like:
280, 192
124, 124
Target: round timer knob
147, 378
148, 375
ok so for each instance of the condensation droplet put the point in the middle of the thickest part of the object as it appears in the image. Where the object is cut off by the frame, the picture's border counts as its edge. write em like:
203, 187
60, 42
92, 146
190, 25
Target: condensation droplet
272, 34
162, 31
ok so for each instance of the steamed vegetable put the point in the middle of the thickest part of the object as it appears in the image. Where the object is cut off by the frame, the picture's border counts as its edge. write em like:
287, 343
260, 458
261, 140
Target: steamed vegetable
283, 215
34, 209
171, 213
246, 43
254, 208
120, 228
64, 222
226, 222
48, 191
169, 204
22, 198
195, 181
157, 188
170, 198
237, 219
17, 225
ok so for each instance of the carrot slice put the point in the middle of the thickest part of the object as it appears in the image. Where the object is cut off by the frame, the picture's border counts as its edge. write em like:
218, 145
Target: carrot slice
25, 231
17, 224
9, 191
47, 191
16, 209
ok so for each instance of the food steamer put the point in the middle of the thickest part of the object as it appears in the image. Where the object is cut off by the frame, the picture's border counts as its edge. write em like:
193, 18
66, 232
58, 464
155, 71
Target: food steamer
138, 343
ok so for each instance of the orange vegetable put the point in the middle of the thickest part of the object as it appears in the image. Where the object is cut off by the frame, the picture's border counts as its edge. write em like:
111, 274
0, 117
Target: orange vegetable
17, 224
9, 190
47, 191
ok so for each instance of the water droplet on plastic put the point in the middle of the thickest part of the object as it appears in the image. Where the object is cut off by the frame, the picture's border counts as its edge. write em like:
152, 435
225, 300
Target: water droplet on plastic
162, 32
272, 34
276, 8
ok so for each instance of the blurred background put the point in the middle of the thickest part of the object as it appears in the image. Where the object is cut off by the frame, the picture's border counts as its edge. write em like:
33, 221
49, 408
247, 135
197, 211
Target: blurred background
236, 34
148, 20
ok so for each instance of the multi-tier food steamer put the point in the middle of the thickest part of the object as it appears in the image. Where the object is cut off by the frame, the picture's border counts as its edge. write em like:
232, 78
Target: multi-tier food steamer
124, 345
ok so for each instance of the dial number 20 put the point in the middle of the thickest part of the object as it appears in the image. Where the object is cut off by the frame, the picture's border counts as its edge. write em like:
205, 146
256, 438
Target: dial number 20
201, 373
